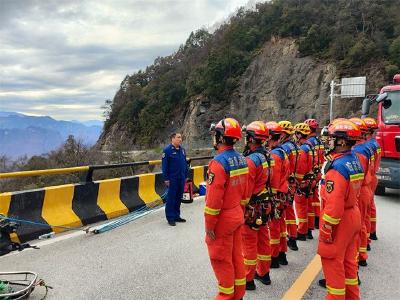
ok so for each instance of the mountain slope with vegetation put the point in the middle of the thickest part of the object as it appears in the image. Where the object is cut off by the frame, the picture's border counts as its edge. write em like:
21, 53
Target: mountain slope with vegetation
217, 73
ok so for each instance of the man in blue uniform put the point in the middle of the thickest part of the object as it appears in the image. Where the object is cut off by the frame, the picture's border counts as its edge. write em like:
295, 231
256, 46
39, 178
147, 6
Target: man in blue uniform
175, 171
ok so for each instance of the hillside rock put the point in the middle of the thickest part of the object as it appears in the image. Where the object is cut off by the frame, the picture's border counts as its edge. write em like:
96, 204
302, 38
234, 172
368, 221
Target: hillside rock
277, 85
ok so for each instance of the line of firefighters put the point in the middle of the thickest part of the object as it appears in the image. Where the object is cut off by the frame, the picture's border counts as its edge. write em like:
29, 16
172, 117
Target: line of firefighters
287, 183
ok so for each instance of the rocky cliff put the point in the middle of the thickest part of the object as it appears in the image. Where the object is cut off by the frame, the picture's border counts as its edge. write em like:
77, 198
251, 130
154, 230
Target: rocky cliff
273, 62
278, 85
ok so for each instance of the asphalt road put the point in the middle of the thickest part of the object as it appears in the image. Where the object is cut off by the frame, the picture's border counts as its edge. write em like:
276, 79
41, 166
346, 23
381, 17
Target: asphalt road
147, 259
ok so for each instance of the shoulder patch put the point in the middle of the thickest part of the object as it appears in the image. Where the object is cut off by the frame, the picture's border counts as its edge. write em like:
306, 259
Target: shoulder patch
163, 155
211, 176
329, 186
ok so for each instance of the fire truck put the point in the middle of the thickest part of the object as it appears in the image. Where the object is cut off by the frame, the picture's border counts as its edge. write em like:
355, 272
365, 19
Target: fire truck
388, 134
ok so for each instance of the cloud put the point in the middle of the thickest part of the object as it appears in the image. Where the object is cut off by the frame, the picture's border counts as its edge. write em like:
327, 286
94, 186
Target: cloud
64, 58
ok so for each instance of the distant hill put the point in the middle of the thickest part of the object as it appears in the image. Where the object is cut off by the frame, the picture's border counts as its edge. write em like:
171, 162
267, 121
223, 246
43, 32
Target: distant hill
31, 135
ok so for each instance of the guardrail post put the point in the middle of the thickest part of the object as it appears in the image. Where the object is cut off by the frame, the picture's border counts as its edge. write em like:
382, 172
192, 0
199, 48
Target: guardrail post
89, 174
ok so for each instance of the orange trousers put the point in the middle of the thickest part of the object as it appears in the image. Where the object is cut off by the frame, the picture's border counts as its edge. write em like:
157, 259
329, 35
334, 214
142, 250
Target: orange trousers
373, 216
278, 234
301, 206
310, 212
227, 262
316, 204
364, 204
256, 251
339, 259
290, 220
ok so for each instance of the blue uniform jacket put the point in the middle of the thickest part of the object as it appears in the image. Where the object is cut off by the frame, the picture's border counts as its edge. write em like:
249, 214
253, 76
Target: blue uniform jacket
174, 164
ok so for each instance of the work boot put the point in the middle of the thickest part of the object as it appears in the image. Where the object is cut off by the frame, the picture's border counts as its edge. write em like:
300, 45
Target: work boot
322, 283
301, 237
292, 244
309, 234
362, 263
282, 259
264, 279
171, 223
180, 220
250, 285
373, 236
274, 263
368, 247
316, 223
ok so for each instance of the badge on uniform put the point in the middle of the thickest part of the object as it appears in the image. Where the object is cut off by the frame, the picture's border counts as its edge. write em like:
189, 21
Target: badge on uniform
163, 155
210, 178
329, 186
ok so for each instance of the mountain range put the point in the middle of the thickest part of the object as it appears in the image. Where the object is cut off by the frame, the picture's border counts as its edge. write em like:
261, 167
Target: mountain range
35, 135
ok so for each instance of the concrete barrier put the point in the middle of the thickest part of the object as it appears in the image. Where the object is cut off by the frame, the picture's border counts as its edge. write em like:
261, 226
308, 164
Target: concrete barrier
75, 205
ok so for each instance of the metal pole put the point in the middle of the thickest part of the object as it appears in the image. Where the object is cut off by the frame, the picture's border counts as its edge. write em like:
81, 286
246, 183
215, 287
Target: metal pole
331, 99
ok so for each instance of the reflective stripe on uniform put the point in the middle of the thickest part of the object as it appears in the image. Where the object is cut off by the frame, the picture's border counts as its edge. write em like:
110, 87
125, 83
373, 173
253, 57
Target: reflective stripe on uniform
250, 262
372, 219
244, 202
241, 281
362, 249
333, 291
299, 176
357, 176
283, 234
330, 219
238, 172
302, 220
351, 281
265, 165
274, 190
211, 211
290, 222
315, 204
274, 241
263, 257
311, 214
228, 290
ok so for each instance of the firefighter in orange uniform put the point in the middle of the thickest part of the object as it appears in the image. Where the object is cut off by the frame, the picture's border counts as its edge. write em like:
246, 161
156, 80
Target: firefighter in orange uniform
371, 141
255, 232
364, 154
319, 153
306, 178
340, 221
292, 151
226, 188
279, 188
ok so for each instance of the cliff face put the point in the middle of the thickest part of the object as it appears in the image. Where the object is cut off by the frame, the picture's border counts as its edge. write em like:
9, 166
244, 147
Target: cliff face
278, 85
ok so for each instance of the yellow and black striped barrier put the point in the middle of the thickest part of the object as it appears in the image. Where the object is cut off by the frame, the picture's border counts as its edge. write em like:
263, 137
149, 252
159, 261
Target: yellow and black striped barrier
76, 205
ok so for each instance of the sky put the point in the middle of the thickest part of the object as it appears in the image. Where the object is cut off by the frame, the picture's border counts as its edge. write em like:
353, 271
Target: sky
64, 58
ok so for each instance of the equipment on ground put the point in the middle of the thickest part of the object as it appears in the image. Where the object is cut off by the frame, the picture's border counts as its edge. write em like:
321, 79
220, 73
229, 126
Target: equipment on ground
20, 285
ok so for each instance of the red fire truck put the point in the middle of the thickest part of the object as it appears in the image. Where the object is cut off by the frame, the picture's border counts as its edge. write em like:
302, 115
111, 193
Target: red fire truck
388, 135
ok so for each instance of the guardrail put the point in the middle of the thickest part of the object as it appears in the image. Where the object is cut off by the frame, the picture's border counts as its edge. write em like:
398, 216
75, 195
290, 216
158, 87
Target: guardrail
88, 169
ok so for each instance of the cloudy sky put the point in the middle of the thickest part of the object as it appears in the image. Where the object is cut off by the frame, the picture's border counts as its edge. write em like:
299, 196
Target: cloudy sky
63, 58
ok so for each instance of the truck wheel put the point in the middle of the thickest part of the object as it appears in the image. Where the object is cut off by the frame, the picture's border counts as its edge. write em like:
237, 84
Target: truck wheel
380, 190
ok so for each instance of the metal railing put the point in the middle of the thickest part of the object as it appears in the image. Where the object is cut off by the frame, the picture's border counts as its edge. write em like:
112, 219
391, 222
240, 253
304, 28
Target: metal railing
89, 169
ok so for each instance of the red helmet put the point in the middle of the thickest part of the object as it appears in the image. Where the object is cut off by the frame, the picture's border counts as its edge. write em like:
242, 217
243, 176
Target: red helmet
228, 127
274, 128
257, 130
344, 129
312, 123
360, 123
371, 123
396, 79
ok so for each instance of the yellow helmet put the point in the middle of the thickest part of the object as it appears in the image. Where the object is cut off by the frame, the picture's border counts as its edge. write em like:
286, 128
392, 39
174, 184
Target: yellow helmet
287, 126
303, 128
